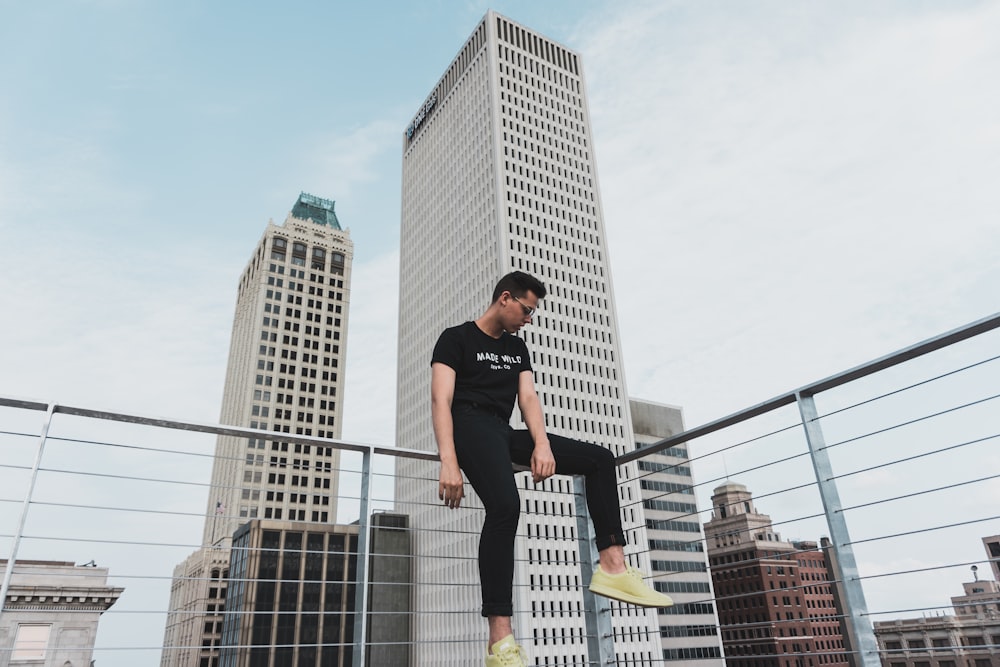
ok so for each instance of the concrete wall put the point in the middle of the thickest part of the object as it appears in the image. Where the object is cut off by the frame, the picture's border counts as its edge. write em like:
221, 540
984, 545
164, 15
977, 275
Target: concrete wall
69, 600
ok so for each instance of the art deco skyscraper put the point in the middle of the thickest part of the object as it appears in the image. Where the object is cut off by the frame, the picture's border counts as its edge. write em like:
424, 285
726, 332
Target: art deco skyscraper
285, 375
499, 175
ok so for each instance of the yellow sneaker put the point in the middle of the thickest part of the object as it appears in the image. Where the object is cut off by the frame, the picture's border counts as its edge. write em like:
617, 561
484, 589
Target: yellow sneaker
506, 653
627, 586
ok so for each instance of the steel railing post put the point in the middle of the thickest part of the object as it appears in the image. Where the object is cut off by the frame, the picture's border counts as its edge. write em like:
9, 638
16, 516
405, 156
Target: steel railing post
9, 572
361, 590
845, 568
596, 609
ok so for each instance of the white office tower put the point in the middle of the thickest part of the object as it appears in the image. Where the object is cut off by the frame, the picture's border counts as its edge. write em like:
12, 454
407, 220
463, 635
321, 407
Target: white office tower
499, 175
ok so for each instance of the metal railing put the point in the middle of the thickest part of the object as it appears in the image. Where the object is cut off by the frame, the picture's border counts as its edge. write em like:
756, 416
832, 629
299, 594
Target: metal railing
900, 450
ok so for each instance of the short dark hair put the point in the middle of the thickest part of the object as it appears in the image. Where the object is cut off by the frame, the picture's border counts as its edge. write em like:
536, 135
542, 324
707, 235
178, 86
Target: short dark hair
518, 284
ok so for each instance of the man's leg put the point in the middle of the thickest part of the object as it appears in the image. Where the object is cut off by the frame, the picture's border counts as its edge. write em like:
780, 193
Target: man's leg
482, 446
597, 464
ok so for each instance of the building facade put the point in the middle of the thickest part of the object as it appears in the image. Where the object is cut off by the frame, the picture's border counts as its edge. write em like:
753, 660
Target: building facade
284, 376
689, 631
292, 595
777, 603
51, 613
499, 174
969, 638
198, 591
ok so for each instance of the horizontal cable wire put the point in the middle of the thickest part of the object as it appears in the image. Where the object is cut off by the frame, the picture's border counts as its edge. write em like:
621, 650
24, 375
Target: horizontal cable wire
783, 429
909, 387
923, 569
909, 422
201, 546
447, 531
725, 477
922, 530
241, 458
24, 435
907, 611
741, 532
915, 457
774, 523
307, 491
920, 493
143, 448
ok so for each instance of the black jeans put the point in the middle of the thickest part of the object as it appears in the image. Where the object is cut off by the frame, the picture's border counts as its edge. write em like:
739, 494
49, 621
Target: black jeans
487, 447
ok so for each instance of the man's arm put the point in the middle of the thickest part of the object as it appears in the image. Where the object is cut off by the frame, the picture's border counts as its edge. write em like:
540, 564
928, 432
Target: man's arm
450, 484
543, 465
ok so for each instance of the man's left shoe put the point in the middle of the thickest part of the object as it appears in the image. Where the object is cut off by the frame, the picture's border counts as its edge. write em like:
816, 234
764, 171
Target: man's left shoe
506, 653
629, 587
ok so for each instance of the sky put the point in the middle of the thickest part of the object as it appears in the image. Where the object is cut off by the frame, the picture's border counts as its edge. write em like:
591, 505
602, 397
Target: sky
788, 189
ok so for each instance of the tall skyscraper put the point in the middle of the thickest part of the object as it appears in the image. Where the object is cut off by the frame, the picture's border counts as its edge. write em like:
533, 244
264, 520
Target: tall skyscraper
285, 372
285, 375
499, 175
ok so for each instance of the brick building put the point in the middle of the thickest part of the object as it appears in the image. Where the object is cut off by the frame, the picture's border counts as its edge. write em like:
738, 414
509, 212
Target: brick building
776, 601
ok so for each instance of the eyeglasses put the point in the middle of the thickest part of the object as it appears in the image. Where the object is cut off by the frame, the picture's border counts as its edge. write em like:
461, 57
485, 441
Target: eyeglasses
528, 312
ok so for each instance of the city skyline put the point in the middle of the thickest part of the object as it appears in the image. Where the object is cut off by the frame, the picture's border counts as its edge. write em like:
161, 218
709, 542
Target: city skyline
871, 305
722, 343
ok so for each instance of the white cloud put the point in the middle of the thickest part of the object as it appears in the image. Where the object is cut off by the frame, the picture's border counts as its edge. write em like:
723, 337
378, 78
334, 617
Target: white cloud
767, 194
789, 193
346, 160
121, 333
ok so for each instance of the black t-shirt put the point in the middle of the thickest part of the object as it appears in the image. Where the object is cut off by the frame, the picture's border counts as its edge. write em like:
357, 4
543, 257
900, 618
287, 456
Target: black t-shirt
486, 368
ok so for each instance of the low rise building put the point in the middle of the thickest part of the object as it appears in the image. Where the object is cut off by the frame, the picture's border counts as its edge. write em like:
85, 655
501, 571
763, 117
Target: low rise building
292, 587
969, 638
51, 613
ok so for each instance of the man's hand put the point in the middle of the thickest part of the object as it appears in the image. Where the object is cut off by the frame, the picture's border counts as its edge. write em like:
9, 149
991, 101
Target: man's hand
450, 485
543, 464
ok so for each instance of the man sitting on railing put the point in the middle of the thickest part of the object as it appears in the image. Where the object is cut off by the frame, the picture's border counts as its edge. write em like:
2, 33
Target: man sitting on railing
477, 370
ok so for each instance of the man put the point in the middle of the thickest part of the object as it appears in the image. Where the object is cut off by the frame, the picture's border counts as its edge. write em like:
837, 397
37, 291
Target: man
477, 369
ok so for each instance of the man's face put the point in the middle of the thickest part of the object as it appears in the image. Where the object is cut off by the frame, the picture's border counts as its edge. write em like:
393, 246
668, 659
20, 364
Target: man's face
518, 310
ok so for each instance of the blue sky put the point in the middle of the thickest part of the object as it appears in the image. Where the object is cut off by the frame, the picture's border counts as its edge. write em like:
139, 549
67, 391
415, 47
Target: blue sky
789, 189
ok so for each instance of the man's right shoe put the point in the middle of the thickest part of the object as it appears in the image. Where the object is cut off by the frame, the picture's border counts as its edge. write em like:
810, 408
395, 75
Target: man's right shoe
506, 653
627, 586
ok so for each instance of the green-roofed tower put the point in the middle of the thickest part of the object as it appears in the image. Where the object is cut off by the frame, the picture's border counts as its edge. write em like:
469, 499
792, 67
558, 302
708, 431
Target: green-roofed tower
285, 376
317, 209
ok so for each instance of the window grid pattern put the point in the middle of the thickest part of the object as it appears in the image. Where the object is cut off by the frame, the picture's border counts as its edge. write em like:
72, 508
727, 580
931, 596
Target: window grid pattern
553, 229
498, 174
284, 375
679, 561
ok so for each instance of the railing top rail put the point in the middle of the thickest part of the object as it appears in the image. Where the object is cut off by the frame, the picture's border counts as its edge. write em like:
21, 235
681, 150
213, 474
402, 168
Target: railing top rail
217, 429
970, 330
900, 356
